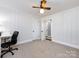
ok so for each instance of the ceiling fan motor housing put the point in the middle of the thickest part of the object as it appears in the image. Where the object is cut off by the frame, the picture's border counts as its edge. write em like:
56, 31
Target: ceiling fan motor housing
43, 4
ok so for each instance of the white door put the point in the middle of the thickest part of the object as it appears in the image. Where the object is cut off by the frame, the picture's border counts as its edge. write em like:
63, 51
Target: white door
35, 30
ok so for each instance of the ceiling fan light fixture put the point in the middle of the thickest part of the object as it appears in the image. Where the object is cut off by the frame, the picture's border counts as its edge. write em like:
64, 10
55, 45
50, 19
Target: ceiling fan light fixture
42, 11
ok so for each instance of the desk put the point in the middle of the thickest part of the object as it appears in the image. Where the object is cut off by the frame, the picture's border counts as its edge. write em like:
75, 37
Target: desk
5, 36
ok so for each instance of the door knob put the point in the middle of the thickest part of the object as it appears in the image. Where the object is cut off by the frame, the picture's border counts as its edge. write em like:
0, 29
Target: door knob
41, 31
33, 31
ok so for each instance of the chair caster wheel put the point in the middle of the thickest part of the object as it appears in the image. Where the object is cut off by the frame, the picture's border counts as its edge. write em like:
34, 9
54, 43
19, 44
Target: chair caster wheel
16, 48
1, 56
12, 53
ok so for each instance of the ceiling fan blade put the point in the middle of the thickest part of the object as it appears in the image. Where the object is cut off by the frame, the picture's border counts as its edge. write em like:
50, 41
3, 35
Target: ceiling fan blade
35, 7
47, 8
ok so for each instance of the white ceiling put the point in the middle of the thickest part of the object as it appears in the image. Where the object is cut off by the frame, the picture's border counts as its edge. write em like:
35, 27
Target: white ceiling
25, 6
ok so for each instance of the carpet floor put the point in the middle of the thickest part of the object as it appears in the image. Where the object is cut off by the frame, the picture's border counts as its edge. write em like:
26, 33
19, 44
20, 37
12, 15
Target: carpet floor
43, 49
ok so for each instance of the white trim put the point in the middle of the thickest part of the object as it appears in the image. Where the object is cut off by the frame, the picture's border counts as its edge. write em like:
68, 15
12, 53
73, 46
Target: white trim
67, 44
26, 41
60, 42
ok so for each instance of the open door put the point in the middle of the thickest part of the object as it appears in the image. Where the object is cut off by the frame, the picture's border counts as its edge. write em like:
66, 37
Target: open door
45, 29
44, 26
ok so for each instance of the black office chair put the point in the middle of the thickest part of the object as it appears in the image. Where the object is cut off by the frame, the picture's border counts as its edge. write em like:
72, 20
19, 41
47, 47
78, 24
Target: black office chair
9, 44
0, 33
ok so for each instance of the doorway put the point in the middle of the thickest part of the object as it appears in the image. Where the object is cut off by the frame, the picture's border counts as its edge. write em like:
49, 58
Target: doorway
46, 29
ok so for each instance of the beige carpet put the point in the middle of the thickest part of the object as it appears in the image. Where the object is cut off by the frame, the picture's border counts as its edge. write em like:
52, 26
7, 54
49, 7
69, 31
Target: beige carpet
43, 49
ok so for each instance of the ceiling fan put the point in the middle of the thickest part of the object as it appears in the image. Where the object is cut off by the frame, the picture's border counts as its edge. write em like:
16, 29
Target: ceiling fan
42, 6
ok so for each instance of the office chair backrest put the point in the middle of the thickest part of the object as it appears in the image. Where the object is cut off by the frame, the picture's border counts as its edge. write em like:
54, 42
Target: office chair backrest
14, 37
0, 33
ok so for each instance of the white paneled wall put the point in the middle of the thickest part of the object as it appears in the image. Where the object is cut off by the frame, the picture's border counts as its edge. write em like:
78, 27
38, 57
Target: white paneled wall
11, 20
70, 26
78, 23
57, 27
65, 27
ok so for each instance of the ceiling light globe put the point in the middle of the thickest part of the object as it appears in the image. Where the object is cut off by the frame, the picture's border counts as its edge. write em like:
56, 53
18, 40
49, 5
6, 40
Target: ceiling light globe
42, 11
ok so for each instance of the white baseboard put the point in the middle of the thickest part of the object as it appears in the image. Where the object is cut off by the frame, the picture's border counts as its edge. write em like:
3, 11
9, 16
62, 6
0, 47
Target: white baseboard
64, 43
26, 41
60, 42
